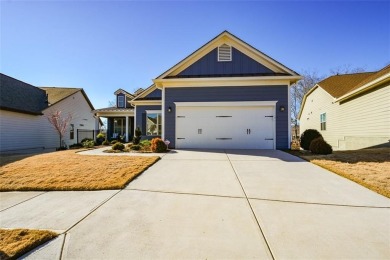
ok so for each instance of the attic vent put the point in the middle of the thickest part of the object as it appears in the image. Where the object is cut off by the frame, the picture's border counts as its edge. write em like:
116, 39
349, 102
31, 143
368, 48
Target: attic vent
224, 53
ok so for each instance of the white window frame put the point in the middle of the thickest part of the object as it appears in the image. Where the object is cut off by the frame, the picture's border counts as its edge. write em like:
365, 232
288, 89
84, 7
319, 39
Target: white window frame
230, 49
158, 123
323, 121
123, 100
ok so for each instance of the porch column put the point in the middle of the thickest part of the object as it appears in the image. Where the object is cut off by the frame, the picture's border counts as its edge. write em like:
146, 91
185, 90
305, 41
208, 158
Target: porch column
127, 129
97, 127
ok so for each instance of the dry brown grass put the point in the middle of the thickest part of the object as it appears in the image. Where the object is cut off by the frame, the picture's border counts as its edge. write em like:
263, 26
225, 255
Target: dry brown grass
16, 242
67, 170
369, 167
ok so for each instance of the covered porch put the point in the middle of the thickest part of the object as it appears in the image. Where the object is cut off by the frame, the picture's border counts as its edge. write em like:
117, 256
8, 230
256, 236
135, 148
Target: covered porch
120, 122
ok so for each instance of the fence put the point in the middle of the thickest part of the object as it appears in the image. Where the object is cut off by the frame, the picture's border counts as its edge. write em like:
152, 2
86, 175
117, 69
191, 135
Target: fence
83, 133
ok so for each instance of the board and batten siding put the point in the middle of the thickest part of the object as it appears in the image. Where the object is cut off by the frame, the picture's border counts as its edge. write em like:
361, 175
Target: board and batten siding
20, 131
221, 94
366, 117
240, 64
82, 118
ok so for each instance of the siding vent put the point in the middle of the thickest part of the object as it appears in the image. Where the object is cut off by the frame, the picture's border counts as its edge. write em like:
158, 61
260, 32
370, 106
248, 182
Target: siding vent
225, 53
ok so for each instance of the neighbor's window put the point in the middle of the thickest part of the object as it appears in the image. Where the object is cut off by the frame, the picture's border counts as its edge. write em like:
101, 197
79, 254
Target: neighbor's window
71, 132
153, 122
323, 121
121, 101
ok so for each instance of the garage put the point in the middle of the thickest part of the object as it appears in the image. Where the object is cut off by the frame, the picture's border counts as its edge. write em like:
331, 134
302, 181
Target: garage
225, 125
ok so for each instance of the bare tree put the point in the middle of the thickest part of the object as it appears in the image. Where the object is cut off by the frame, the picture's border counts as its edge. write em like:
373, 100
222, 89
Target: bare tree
346, 69
112, 103
298, 91
59, 122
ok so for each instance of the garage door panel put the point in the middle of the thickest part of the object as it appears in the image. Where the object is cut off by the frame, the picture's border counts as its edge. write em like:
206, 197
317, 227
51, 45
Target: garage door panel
225, 127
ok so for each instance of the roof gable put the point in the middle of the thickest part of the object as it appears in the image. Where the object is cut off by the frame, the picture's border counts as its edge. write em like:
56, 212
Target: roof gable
18, 96
238, 44
121, 91
240, 65
57, 94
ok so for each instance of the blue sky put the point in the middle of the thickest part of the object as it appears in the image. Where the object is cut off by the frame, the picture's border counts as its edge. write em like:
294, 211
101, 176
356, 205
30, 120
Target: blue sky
105, 45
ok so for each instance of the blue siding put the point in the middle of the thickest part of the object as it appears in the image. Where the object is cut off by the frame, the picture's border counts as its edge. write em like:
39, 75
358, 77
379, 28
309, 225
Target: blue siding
215, 94
155, 93
240, 64
141, 116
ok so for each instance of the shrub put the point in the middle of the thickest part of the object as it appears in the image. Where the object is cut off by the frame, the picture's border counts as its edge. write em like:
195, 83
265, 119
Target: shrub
137, 136
308, 136
88, 144
114, 141
135, 147
320, 146
145, 143
86, 139
75, 146
158, 146
101, 135
106, 142
118, 146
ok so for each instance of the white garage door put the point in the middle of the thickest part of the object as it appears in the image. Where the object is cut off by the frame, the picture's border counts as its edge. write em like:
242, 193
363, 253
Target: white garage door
225, 125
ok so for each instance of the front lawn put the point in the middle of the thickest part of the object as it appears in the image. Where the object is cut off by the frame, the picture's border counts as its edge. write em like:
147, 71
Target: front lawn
16, 242
67, 170
368, 167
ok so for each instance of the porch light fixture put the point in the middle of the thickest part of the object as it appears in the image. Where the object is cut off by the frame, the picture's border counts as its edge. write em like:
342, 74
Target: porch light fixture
281, 108
169, 109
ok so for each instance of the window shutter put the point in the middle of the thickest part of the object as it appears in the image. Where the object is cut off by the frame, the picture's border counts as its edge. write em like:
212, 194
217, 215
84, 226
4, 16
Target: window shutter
224, 53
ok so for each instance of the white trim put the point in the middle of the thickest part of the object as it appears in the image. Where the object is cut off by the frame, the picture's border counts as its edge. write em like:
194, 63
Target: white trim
153, 111
163, 114
146, 92
226, 104
114, 113
226, 81
274, 125
146, 103
127, 129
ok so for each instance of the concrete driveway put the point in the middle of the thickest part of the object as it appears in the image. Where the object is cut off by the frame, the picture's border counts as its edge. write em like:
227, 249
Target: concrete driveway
212, 204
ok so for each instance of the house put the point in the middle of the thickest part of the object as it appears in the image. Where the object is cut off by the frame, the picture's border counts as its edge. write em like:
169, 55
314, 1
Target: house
351, 111
226, 95
23, 111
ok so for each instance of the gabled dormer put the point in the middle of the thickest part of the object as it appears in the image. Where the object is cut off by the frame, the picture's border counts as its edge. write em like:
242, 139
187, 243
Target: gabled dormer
123, 98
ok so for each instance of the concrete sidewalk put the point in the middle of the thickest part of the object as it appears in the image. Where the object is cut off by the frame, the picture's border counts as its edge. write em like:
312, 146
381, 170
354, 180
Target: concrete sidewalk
212, 204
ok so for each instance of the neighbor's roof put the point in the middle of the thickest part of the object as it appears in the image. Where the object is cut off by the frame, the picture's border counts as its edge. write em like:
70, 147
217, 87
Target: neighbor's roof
57, 94
19, 96
339, 85
113, 109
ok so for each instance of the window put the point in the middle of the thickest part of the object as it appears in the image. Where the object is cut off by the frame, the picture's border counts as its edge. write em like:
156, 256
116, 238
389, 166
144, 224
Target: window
153, 122
121, 101
71, 132
224, 53
323, 121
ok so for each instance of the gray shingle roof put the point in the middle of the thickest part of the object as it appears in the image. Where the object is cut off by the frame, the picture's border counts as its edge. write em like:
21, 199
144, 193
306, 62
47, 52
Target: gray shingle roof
18, 96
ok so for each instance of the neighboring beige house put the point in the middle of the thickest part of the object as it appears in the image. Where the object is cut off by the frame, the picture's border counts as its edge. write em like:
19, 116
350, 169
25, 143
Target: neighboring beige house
23, 111
351, 111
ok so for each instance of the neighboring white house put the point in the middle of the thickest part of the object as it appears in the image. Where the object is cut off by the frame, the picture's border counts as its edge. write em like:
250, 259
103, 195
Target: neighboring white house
23, 111
351, 111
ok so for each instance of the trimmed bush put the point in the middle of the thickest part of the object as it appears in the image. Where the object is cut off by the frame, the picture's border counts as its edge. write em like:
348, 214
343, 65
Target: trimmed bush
118, 146
106, 142
135, 147
88, 144
86, 139
75, 146
114, 141
137, 136
158, 145
101, 135
320, 146
145, 143
308, 136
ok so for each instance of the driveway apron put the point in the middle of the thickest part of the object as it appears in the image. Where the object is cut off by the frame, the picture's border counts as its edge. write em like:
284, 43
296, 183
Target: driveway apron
215, 204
